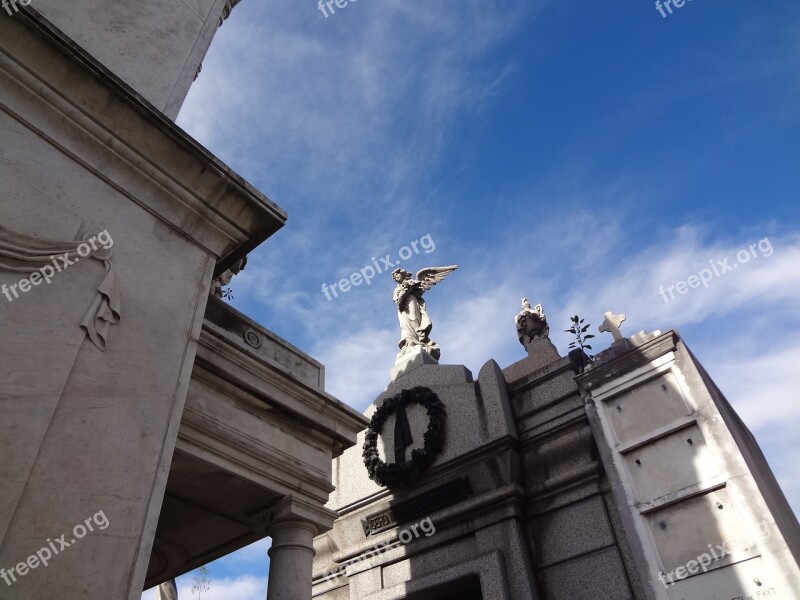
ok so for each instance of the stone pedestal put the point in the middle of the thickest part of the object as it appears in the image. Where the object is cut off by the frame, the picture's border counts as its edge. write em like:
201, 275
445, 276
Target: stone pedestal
413, 359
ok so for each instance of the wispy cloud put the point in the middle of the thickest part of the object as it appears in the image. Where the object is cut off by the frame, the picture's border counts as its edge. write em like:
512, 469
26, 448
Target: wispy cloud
245, 587
342, 121
342, 104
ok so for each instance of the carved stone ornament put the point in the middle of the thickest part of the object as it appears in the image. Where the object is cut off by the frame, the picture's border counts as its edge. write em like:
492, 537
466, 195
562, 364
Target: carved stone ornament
531, 323
226, 10
219, 284
28, 255
402, 471
611, 324
252, 338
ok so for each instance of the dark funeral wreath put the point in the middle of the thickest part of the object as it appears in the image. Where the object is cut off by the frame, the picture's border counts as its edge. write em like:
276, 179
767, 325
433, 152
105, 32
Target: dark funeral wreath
421, 458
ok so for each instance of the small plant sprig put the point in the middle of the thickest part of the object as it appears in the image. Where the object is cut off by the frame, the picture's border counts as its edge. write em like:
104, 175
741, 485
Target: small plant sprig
227, 293
201, 582
578, 329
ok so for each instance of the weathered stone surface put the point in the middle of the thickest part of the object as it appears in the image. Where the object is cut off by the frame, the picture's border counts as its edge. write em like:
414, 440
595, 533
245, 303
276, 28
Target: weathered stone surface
681, 465
155, 46
541, 353
577, 529
593, 576
480, 433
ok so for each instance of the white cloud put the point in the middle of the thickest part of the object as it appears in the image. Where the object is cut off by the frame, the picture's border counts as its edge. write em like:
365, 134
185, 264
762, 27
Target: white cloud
250, 559
357, 366
632, 283
759, 387
245, 587
346, 117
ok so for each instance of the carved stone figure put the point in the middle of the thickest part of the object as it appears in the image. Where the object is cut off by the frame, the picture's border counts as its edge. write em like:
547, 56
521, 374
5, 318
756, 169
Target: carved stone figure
415, 326
218, 284
531, 323
226, 10
45, 258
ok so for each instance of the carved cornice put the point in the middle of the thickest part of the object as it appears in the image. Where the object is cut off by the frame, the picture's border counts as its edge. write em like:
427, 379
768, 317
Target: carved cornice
250, 337
316, 411
295, 508
635, 358
264, 461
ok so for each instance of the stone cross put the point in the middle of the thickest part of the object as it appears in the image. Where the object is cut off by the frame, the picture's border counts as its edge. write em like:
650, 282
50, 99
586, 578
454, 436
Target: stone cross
611, 325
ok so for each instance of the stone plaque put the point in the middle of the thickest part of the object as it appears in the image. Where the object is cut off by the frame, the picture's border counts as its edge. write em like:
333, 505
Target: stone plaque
417, 507
647, 407
671, 463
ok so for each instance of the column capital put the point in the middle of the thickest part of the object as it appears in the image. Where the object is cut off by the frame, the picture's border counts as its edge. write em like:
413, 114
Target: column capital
294, 509
292, 535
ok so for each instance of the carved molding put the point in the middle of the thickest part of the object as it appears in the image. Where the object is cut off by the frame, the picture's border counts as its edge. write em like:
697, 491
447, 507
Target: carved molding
629, 361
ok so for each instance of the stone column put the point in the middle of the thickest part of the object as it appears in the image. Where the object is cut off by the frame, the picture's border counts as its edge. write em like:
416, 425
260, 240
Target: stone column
291, 560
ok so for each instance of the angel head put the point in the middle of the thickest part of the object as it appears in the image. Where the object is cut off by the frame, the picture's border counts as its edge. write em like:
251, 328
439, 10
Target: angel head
400, 275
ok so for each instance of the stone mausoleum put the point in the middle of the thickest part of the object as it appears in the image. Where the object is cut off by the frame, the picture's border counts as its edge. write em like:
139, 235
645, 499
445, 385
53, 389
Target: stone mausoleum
557, 478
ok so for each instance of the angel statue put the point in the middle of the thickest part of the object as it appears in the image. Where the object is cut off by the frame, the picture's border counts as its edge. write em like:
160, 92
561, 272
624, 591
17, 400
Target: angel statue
415, 326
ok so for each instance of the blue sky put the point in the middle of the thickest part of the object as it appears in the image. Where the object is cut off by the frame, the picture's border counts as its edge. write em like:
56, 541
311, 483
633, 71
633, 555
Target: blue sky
580, 154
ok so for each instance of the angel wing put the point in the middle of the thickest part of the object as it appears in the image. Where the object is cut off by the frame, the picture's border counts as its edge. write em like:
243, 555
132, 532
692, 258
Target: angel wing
430, 276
